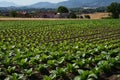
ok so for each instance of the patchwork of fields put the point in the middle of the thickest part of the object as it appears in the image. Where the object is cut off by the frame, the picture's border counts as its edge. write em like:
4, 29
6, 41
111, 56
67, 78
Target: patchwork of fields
60, 50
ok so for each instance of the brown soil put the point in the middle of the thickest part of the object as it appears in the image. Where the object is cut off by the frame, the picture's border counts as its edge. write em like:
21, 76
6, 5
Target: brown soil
114, 74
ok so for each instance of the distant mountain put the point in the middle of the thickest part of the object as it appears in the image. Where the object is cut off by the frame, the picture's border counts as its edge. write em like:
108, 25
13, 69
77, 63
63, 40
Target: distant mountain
7, 4
74, 3
43, 5
68, 3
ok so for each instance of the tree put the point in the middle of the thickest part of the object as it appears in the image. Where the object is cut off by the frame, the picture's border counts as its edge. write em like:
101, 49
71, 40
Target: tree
62, 9
114, 8
87, 16
0, 13
13, 13
72, 15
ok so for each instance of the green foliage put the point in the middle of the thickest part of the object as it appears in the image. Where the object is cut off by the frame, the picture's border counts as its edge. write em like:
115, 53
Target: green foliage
70, 67
10, 69
72, 15
114, 8
13, 14
68, 49
59, 72
29, 71
42, 68
62, 9
47, 78
87, 16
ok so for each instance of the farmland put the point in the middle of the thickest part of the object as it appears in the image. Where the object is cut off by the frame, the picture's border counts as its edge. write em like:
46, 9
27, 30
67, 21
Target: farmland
60, 50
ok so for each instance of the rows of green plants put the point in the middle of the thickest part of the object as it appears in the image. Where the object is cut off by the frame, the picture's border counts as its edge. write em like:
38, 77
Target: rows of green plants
58, 50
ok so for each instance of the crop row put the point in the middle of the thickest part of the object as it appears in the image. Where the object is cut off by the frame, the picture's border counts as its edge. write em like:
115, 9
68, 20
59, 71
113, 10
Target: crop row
58, 50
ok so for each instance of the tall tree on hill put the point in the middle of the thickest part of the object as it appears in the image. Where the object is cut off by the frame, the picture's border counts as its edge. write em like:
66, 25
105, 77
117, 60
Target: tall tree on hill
114, 8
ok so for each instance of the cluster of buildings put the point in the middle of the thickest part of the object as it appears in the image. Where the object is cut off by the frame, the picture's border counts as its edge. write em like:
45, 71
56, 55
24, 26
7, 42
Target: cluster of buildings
53, 14
43, 15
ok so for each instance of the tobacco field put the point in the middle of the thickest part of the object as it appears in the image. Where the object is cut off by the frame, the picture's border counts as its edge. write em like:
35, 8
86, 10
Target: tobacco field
60, 50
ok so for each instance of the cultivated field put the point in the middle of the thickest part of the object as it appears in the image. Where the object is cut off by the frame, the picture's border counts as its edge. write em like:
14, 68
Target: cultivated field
60, 50
97, 15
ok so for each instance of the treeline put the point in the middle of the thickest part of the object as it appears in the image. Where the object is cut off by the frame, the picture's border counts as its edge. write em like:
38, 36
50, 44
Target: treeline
11, 10
113, 8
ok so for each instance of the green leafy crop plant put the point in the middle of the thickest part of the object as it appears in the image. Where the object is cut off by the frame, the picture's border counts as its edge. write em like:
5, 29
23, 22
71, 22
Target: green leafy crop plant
59, 49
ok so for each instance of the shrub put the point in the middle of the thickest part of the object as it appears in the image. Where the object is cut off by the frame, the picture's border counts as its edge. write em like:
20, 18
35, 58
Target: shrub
87, 16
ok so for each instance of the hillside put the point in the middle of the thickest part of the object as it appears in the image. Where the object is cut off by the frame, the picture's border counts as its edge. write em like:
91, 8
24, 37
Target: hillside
75, 3
69, 4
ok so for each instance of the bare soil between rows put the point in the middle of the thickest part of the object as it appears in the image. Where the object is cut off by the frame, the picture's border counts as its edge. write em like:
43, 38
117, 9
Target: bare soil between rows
114, 74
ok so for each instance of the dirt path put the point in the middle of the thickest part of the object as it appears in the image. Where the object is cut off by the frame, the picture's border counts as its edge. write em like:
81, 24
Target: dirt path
36, 19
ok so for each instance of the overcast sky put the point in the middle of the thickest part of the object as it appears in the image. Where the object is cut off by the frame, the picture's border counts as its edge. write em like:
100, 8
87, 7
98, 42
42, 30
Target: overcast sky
28, 2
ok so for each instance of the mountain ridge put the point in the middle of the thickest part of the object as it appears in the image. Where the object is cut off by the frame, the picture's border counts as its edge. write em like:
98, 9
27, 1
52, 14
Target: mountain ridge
76, 3
69, 4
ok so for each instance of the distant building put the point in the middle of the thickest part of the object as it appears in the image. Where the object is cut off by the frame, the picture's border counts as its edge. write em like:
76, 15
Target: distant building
62, 15
44, 15
5, 14
23, 14
50, 15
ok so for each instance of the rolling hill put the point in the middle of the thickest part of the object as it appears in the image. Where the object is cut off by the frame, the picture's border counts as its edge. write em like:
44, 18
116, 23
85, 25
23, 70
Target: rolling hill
74, 3
69, 4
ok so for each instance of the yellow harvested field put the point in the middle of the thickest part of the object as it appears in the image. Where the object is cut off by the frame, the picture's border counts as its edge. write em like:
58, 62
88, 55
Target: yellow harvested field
97, 15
